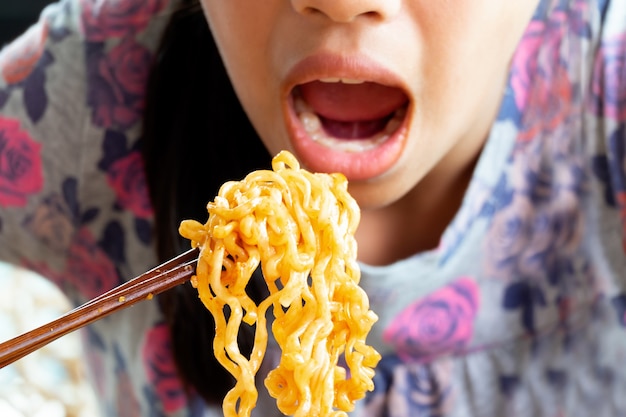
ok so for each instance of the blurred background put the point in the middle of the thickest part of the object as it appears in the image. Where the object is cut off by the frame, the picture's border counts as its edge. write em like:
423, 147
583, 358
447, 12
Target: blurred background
16, 15
50, 382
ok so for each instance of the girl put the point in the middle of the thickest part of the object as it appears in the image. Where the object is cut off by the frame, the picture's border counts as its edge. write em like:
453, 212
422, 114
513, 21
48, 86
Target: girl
484, 141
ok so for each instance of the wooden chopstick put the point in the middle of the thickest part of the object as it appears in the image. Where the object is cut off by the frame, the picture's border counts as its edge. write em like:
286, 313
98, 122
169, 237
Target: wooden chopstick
165, 276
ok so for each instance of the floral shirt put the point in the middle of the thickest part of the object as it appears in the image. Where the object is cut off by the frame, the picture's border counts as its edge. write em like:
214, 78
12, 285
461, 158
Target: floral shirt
520, 311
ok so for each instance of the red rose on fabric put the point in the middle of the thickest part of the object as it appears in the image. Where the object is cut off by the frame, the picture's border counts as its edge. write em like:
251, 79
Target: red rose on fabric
116, 84
440, 323
127, 177
525, 62
20, 164
88, 267
103, 19
128, 65
160, 368
20, 57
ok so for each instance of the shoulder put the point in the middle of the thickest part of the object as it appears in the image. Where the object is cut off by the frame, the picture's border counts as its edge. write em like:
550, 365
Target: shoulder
91, 21
93, 52
71, 101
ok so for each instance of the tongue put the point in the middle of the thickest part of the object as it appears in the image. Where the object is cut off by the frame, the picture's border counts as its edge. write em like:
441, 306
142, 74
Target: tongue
352, 102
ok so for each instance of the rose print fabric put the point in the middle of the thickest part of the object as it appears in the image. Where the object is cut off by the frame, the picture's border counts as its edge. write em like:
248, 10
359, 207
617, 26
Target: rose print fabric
21, 164
520, 311
73, 199
441, 322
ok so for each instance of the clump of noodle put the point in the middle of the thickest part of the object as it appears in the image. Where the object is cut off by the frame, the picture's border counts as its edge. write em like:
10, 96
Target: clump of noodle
300, 227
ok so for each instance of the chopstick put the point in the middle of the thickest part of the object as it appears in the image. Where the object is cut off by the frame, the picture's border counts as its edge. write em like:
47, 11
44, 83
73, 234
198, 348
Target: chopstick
157, 280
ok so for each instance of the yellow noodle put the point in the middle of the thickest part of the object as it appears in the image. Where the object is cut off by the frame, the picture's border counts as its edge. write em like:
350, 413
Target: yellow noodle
299, 227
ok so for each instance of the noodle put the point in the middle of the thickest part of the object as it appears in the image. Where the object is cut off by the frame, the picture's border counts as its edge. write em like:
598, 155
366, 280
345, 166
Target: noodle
299, 227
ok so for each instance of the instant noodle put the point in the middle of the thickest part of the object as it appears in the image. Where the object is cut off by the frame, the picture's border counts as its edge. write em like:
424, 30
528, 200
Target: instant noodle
299, 227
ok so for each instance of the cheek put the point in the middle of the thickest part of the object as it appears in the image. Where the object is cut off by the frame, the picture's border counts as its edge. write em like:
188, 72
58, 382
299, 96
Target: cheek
263, 107
238, 47
241, 31
249, 66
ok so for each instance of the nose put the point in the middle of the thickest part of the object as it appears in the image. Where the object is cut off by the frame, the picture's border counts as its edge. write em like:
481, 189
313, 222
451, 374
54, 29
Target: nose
346, 11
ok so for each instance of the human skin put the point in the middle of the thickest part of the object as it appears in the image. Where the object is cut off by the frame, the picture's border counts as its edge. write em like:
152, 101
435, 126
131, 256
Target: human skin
449, 58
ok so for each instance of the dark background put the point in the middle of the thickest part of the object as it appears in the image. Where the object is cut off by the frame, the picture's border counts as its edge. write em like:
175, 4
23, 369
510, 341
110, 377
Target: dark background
17, 15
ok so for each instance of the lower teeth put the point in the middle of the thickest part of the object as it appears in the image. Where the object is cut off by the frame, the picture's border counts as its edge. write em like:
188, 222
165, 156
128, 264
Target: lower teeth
313, 126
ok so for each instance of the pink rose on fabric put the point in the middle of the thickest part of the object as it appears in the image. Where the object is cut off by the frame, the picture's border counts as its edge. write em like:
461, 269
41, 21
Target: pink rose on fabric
525, 62
103, 19
540, 78
20, 164
609, 73
116, 84
88, 267
550, 104
127, 177
160, 368
442, 322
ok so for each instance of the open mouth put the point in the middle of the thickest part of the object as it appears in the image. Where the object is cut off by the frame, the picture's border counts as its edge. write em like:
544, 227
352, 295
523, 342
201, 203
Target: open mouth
349, 115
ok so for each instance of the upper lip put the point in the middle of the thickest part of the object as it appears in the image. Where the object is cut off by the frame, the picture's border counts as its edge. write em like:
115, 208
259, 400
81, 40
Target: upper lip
332, 65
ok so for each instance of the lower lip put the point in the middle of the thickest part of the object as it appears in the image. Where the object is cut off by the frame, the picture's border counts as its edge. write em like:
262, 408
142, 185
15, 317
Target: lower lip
356, 166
